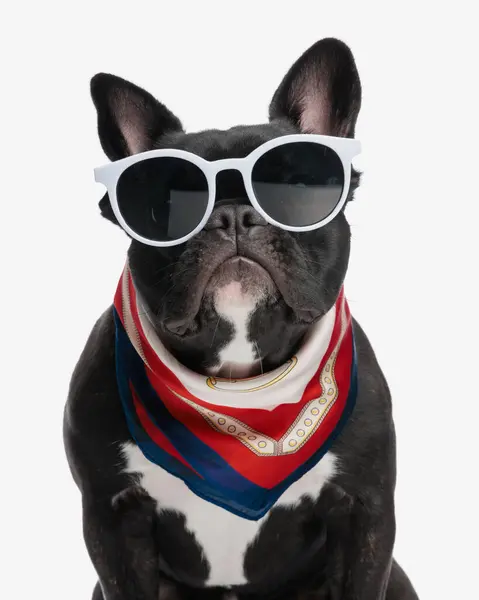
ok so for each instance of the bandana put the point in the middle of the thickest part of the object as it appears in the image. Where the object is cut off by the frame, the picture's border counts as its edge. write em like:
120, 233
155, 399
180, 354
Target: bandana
238, 443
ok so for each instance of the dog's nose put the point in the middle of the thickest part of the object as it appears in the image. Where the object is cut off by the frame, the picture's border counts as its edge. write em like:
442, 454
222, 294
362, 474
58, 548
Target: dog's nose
235, 219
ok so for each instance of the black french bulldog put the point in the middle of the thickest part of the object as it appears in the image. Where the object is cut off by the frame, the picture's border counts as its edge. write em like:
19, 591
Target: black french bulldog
335, 545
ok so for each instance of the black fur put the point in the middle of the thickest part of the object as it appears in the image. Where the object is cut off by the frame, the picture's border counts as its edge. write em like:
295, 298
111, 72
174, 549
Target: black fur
339, 547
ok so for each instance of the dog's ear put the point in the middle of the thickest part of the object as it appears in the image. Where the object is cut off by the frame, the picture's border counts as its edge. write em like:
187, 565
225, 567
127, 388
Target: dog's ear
129, 118
321, 93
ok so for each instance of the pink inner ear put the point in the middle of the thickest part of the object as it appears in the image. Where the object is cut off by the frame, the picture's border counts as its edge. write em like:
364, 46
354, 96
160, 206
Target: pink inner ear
135, 140
314, 115
131, 121
312, 98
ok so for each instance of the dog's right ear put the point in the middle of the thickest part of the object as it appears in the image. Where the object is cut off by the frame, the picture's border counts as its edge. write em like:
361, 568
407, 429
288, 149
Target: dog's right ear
129, 121
129, 118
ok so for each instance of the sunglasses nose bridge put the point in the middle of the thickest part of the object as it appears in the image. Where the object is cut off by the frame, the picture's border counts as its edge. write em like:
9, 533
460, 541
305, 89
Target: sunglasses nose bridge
228, 164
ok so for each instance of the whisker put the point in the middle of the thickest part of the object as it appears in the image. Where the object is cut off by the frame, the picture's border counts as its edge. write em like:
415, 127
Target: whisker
259, 356
168, 266
173, 275
214, 332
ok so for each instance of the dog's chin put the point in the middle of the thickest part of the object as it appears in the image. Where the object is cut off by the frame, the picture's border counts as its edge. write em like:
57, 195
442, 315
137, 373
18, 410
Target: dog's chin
240, 282
232, 323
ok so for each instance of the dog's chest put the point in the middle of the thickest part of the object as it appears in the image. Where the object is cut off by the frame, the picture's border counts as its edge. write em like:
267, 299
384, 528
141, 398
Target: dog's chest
221, 539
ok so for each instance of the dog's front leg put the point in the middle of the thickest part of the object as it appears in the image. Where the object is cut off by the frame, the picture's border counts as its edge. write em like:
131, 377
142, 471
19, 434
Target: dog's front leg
368, 556
119, 537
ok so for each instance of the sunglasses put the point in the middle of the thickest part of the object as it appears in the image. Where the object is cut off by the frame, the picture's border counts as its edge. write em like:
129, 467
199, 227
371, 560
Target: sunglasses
296, 182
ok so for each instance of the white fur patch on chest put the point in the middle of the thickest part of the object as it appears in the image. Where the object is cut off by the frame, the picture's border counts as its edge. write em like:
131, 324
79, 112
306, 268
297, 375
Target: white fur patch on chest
223, 536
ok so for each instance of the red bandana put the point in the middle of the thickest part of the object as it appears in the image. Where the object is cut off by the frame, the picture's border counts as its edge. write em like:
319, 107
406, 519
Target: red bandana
237, 443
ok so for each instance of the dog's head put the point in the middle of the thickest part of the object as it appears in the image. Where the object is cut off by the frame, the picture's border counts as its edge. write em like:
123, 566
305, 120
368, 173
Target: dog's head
239, 296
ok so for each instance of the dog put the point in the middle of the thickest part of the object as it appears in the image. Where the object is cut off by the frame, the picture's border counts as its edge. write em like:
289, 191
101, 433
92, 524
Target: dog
233, 302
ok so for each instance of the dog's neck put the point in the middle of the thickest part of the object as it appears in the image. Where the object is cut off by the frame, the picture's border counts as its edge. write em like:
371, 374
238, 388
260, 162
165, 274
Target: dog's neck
215, 389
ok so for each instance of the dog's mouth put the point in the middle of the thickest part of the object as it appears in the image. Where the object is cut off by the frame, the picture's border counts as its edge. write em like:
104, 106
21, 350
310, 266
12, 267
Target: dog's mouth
236, 282
239, 279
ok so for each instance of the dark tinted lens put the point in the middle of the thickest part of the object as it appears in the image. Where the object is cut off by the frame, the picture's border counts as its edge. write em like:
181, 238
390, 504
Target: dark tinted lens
298, 184
162, 198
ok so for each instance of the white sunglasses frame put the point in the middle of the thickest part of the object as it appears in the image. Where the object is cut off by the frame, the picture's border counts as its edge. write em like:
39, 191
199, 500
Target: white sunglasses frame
109, 175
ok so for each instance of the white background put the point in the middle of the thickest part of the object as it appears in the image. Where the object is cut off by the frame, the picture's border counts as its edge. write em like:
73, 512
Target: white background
412, 273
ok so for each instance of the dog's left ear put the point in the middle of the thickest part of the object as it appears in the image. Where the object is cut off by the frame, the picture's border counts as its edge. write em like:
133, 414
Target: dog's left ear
321, 93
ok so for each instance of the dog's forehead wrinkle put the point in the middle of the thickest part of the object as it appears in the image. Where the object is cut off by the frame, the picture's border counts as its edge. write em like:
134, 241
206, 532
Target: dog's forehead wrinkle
236, 142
